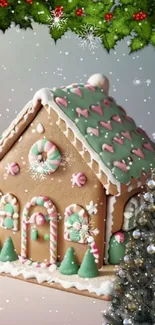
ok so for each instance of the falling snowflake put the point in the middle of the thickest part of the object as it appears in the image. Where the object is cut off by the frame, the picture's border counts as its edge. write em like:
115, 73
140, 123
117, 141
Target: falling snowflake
57, 22
89, 37
67, 160
137, 82
39, 171
147, 82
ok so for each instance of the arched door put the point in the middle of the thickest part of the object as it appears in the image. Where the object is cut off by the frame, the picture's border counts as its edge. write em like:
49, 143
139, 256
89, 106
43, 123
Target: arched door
37, 218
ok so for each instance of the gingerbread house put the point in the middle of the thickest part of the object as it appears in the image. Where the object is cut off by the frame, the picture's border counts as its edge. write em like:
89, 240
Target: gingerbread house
72, 166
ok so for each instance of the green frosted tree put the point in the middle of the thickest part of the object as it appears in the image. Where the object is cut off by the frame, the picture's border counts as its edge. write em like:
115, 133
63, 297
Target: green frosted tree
8, 253
69, 265
88, 267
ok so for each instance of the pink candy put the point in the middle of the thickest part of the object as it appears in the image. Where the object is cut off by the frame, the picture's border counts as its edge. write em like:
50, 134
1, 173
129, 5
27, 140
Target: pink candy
78, 179
40, 219
13, 169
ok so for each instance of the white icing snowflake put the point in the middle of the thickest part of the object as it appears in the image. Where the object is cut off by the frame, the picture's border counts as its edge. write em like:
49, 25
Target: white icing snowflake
92, 208
37, 172
89, 37
57, 22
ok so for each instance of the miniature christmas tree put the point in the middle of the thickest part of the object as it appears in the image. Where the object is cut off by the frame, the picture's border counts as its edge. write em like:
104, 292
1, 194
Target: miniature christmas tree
134, 302
88, 268
69, 265
8, 253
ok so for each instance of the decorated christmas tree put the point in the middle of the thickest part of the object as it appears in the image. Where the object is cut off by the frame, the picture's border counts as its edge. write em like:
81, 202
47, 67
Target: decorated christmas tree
133, 300
88, 268
69, 265
8, 253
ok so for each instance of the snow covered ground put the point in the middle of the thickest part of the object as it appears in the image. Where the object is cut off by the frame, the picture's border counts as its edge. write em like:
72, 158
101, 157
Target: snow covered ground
101, 285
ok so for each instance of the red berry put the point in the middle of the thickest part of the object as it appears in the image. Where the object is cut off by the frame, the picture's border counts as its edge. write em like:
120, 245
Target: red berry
79, 12
58, 11
30, 2
108, 16
59, 8
3, 3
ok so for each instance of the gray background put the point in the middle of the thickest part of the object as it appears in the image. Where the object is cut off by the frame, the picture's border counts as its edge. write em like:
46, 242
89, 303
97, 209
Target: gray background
30, 61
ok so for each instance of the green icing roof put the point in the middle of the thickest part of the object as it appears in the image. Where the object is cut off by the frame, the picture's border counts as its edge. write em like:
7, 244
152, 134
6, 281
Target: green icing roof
132, 163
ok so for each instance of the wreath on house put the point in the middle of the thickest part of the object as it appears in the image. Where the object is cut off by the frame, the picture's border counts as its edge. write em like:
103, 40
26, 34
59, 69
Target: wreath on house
107, 22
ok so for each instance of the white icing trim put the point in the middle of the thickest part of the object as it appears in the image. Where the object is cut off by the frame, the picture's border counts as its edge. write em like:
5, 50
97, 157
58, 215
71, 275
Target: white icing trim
46, 97
109, 223
102, 285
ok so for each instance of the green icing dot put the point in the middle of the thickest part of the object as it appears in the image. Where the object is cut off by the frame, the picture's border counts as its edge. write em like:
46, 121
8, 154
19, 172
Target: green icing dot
9, 208
8, 223
46, 237
40, 201
34, 234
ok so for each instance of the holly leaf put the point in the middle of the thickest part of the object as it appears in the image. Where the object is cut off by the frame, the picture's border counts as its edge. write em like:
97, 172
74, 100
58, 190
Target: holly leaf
109, 41
143, 29
58, 33
5, 19
137, 44
75, 24
153, 38
126, 2
67, 5
40, 13
21, 16
121, 26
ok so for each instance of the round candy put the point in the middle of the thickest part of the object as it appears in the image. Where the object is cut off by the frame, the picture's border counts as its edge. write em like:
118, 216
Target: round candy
35, 157
78, 179
13, 169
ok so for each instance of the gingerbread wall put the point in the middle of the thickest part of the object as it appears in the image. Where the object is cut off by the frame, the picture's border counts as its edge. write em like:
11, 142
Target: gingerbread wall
57, 187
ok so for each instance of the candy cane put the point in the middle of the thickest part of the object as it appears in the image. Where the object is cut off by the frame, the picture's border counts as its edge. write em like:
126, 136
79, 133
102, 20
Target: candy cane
53, 157
52, 212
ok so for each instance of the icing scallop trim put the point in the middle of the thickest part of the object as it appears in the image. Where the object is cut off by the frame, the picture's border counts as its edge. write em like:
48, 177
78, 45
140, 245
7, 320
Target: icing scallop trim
46, 97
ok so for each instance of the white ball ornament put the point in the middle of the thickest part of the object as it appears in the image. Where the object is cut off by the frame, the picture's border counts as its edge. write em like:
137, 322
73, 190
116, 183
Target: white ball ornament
99, 80
151, 184
136, 234
151, 249
127, 321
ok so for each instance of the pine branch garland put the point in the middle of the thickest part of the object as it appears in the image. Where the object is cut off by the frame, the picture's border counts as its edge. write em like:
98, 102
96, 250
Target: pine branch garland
114, 19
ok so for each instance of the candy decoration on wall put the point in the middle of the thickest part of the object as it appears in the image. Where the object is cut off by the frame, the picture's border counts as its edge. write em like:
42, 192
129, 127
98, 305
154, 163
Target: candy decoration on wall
34, 234
9, 212
35, 157
76, 228
78, 179
117, 247
45, 202
40, 128
37, 218
76, 224
13, 169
